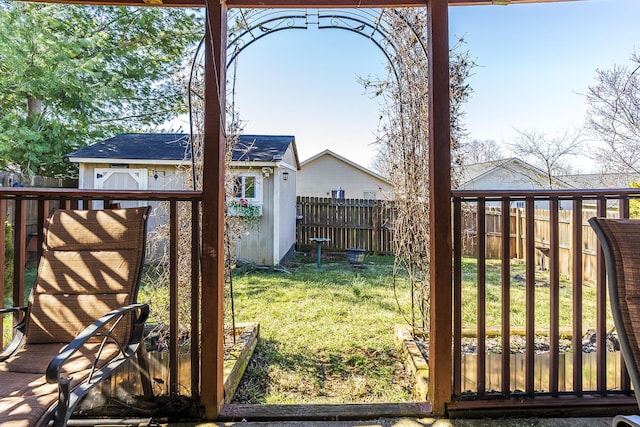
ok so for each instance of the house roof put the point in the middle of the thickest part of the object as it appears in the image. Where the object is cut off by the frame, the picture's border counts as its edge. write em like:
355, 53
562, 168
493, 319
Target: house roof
601, 180
175, 148
475, 172
345, 160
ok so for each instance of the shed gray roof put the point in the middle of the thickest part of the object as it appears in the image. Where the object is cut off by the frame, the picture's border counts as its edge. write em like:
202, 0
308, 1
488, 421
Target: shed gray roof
175, 146
148, 146
261, 148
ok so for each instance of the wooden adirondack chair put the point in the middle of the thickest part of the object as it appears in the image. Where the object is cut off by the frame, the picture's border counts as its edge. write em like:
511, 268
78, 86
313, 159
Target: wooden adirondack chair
620, 239
81, 321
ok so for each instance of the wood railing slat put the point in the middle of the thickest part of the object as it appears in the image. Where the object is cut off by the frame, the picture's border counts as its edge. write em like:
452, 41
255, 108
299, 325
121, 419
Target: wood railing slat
457, 296
173, 297
601, 310
554, 297
530, 289
506, 296
3, 219
481, 279
577, 295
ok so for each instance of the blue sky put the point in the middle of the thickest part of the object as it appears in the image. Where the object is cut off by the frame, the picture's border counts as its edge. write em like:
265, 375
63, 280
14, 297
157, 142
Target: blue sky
535, 63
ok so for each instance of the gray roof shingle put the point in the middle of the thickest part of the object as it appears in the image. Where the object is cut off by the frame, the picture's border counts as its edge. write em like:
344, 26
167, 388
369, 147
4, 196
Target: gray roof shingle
175, 146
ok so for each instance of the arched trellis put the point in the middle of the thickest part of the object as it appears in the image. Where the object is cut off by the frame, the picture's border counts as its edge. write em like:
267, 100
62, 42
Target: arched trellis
386, 28
249, 26
215, 81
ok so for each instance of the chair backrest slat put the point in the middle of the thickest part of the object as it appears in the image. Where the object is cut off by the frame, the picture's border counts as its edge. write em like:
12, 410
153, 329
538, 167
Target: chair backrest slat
620, 241
91, 265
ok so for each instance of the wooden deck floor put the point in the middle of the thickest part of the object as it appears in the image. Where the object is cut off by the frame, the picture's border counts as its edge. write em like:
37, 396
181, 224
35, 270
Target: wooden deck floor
418, 422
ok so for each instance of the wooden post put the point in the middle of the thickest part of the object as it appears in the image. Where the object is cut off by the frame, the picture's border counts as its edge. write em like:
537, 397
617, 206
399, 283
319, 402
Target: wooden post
19, 254
519, 238
212, 309
440, 365
173, 298
3, 219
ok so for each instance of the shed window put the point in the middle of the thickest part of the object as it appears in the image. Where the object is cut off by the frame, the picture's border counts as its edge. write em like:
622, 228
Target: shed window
245, 187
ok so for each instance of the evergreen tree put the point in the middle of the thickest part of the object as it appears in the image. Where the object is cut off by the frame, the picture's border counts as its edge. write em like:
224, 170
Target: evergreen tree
71, 75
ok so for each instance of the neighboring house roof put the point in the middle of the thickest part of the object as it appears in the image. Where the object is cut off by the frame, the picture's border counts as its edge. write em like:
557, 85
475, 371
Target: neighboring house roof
601, 180
345, 160
471, 174
174, 148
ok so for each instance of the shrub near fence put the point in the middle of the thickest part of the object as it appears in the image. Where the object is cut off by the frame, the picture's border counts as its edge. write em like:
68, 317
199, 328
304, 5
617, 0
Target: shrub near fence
348, 223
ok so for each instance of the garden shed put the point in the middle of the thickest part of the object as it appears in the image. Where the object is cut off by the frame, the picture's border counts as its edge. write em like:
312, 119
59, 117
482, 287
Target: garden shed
264, 166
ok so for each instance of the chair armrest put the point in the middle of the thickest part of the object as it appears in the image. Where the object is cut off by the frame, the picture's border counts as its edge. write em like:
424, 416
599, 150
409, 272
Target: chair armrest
12, 310
18, 332
55, 366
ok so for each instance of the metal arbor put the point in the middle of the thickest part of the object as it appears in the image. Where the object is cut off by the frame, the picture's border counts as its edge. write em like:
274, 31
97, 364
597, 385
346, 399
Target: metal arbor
247, 26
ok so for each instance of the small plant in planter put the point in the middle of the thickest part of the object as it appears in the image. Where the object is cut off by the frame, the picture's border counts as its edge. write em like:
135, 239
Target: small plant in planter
249, 212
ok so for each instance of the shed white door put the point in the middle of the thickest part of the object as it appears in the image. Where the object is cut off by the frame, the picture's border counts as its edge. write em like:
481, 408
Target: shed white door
122, 179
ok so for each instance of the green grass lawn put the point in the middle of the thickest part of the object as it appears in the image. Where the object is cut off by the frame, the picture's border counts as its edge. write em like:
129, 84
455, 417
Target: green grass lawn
326, 336
518, 297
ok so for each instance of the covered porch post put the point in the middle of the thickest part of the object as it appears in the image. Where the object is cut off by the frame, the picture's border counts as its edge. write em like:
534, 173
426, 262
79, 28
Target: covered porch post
440, 352
212, 309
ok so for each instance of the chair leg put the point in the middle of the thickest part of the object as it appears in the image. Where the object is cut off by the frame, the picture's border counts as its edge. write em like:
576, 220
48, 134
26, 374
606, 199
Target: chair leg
145, 376
626, 421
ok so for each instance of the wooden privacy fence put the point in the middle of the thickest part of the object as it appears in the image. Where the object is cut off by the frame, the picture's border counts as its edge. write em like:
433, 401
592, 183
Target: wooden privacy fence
348, 223
518, 237
368, 224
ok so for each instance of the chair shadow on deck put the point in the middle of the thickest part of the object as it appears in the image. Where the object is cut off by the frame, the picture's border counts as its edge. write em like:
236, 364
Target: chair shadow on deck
82, 320
620, 241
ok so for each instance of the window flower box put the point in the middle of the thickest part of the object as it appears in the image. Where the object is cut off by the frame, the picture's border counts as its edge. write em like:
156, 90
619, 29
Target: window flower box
249, 211
244, 207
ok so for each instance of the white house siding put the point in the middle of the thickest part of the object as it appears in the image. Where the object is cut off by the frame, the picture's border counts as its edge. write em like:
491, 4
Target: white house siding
257, 244
287, 216
319, 177
289, 157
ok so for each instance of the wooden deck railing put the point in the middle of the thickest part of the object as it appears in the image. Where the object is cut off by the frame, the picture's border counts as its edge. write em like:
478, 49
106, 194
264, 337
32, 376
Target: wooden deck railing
499, 371
39, 202
478, 377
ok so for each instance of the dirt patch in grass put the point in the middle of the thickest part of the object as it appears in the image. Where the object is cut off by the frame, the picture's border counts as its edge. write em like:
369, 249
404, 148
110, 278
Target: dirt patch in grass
351, 376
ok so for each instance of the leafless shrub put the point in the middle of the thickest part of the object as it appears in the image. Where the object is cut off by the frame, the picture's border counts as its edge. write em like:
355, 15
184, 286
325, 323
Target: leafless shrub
403, 143
158, 272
